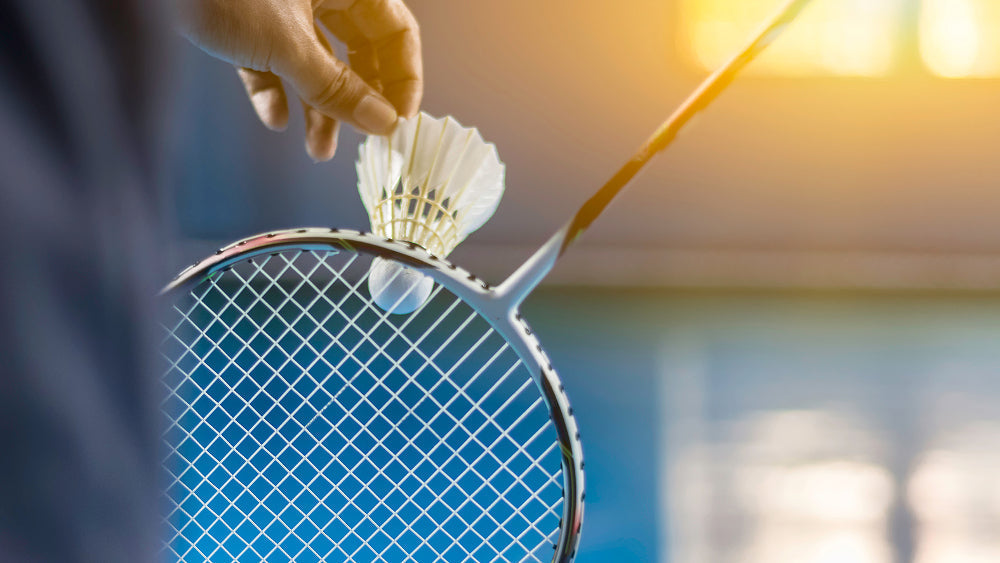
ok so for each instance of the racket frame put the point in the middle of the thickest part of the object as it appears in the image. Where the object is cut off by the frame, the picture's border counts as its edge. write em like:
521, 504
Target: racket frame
498, 308
499, 305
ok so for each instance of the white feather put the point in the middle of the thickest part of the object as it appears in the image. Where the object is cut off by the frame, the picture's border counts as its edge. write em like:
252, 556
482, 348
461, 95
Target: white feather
431, 182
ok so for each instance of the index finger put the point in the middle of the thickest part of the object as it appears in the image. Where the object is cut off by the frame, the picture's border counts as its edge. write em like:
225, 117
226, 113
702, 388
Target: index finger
393, 32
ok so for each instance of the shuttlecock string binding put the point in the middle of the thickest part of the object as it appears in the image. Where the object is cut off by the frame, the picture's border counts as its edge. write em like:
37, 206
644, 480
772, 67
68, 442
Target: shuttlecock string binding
432, 182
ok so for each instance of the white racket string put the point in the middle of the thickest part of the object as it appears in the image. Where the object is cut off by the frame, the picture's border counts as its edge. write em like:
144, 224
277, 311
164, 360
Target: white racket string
305, 424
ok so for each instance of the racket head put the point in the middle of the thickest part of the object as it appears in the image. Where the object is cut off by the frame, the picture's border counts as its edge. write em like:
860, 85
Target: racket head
229, 475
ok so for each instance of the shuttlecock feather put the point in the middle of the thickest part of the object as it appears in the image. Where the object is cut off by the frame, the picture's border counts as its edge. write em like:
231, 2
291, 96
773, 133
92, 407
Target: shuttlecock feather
431, 182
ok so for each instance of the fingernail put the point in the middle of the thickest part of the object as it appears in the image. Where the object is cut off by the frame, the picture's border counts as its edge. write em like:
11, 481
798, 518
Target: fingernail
375, 114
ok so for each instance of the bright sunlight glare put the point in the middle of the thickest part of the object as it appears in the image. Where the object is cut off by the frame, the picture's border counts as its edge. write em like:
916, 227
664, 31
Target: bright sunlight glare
831, 37
960, 38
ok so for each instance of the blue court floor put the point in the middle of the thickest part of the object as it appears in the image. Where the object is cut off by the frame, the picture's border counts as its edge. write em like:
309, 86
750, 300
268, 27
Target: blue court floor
773, 427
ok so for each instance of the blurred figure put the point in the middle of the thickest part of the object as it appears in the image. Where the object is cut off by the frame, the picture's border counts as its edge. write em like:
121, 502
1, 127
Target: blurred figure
81, 125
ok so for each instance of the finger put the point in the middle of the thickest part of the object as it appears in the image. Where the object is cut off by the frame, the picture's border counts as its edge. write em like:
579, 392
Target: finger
391, 29
402, 85
267, 97
329, 86
321, 130
360, 51
321, 134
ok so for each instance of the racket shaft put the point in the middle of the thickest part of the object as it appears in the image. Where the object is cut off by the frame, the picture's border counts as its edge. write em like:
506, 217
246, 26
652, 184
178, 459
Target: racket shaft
529, 275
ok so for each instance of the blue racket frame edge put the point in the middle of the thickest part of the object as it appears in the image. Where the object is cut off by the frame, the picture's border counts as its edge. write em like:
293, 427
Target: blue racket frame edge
498, 305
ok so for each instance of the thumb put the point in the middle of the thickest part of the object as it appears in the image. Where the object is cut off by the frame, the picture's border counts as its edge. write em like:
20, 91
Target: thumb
330, 86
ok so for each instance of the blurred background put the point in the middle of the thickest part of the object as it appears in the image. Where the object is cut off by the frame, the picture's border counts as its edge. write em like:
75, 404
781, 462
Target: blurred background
782, 341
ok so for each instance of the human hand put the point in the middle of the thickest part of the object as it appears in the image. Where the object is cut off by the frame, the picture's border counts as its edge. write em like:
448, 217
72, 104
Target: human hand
271, 40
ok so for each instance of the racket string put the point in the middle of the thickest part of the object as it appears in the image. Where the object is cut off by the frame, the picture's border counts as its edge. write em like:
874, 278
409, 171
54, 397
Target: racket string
420, 478
263, 418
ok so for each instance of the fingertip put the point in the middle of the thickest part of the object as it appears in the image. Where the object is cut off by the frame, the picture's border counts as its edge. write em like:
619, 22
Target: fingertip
321, 153
321, 149
267, 96
321, 135
271, 108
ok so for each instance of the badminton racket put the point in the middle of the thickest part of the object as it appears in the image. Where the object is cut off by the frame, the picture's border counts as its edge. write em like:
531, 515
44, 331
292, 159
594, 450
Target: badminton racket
303, 423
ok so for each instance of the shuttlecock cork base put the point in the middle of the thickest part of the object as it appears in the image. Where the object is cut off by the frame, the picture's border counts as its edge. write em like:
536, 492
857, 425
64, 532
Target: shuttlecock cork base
431, 182
396, 288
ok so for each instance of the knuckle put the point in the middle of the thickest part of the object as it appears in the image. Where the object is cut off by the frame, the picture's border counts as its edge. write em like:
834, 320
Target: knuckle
339, 90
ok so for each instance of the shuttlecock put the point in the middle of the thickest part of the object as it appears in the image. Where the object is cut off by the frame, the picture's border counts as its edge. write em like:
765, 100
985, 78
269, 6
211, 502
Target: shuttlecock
431, 182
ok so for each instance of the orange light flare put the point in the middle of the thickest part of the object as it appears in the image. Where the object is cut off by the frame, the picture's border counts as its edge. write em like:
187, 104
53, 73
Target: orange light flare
840, 38
960, 38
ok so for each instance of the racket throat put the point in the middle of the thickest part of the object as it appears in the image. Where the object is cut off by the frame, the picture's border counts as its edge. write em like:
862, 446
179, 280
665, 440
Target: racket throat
526, 278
